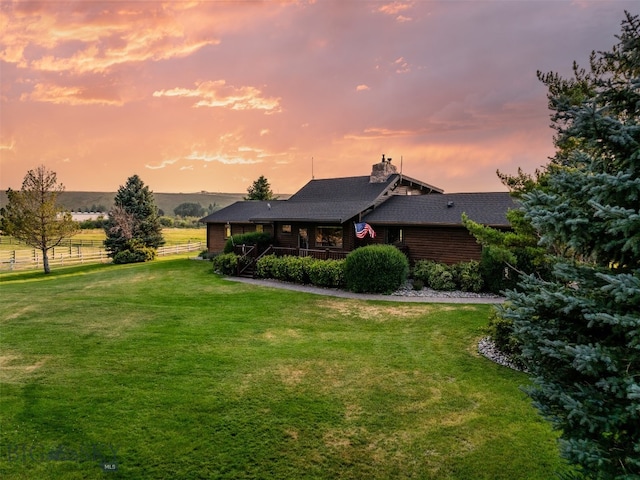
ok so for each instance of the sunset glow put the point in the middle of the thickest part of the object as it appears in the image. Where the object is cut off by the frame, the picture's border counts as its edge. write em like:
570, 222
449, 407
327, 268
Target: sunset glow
210, 95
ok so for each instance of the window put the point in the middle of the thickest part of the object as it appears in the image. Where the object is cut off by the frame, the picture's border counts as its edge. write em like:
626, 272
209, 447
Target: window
227, 230
259, 228
395, 235
329, 237
286, 228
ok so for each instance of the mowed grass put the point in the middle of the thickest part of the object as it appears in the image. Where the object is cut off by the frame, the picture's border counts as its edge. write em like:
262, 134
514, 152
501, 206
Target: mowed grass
171, 372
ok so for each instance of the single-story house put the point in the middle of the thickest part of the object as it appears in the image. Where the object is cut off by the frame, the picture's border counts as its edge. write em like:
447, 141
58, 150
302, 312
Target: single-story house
415, 216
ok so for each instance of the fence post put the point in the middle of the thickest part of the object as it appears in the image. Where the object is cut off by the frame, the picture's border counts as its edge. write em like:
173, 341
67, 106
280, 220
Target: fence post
12, 261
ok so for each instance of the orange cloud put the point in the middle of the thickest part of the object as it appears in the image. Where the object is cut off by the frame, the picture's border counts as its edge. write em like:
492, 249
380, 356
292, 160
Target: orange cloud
218, 94
394, 8
374, 132
87, 41
67, 95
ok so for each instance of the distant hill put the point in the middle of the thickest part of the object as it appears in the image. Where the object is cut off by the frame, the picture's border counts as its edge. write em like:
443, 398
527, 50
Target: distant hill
76, 201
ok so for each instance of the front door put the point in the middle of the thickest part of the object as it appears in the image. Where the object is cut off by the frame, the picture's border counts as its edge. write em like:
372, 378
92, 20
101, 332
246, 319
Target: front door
303, 238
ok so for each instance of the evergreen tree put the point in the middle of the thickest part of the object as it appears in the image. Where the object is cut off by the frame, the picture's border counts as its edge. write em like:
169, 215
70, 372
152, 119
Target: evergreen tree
34, 216
580, 325
260, 190
133, 221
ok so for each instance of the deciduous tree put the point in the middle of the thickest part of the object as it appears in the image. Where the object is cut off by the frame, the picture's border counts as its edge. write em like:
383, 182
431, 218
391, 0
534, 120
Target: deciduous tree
33, 215
189, 209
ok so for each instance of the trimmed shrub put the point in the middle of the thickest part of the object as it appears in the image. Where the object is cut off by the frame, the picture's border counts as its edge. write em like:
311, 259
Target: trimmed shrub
297, 269
265, 266
207, 255
261, 239
135, 252
376, 269
500, 330
287, 268
226, 263
418, 285
437, 276
327, 273
420, 271
467, 276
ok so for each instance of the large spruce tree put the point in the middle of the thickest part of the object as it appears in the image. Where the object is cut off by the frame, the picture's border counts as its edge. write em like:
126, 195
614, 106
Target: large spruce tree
580, 325
133, 221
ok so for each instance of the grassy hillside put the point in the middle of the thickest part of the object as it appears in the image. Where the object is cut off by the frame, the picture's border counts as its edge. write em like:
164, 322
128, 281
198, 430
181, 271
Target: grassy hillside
165, 201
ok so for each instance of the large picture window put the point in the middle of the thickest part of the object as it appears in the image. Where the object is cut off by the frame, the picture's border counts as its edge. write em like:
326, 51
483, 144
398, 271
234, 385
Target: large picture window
329, 237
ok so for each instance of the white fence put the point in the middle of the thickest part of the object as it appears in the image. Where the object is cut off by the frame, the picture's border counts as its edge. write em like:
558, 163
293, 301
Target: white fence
11, 260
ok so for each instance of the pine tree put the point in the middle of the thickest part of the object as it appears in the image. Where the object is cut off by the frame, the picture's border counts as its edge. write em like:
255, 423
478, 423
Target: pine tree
33, 215
260, 190
133, 221
580, 326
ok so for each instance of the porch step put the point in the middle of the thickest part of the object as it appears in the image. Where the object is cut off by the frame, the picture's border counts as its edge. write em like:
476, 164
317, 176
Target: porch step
248, 273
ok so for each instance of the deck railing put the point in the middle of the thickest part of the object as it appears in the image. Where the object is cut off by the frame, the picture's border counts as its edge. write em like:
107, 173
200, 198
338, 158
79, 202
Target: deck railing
320, 254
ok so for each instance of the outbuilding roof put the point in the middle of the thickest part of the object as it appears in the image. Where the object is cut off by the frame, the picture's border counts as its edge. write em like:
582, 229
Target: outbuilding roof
239, 212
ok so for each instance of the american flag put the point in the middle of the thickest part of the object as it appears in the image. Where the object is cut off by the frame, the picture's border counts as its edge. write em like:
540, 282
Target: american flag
362, 229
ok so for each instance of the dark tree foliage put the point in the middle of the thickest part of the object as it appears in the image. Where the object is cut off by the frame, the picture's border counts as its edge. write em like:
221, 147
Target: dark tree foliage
33, 215
579, 325
133, 221
260, 190
189, 209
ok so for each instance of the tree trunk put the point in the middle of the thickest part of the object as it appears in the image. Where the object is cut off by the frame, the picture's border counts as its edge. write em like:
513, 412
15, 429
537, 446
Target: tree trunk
45, 260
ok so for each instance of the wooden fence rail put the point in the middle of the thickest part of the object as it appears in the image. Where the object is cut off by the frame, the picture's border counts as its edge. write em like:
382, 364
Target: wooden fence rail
12, 260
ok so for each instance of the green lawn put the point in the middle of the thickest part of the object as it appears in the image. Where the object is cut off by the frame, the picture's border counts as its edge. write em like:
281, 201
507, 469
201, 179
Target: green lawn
95, 236
185, 375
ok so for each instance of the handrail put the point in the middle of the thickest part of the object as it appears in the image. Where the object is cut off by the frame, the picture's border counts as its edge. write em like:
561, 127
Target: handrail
266, 252
241, 262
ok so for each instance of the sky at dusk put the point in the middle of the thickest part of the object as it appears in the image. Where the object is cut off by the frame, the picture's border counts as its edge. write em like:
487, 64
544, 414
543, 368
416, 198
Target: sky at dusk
210, 95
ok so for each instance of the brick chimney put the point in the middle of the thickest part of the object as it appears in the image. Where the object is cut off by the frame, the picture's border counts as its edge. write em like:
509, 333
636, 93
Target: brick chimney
381, 171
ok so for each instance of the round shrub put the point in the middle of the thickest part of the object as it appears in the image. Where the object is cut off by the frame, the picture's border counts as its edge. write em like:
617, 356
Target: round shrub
437, 276
135, 252
226, 264
467, 276
442, 277
421, 271
375, 269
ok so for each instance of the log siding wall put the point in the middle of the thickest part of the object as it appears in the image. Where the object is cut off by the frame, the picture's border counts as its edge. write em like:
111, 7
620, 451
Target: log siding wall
442, 244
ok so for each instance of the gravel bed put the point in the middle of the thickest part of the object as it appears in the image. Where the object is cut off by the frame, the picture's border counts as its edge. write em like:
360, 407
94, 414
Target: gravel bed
407, 291
488, 349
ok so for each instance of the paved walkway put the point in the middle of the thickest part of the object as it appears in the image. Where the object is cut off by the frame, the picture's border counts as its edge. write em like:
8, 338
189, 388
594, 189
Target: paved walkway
334, 292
